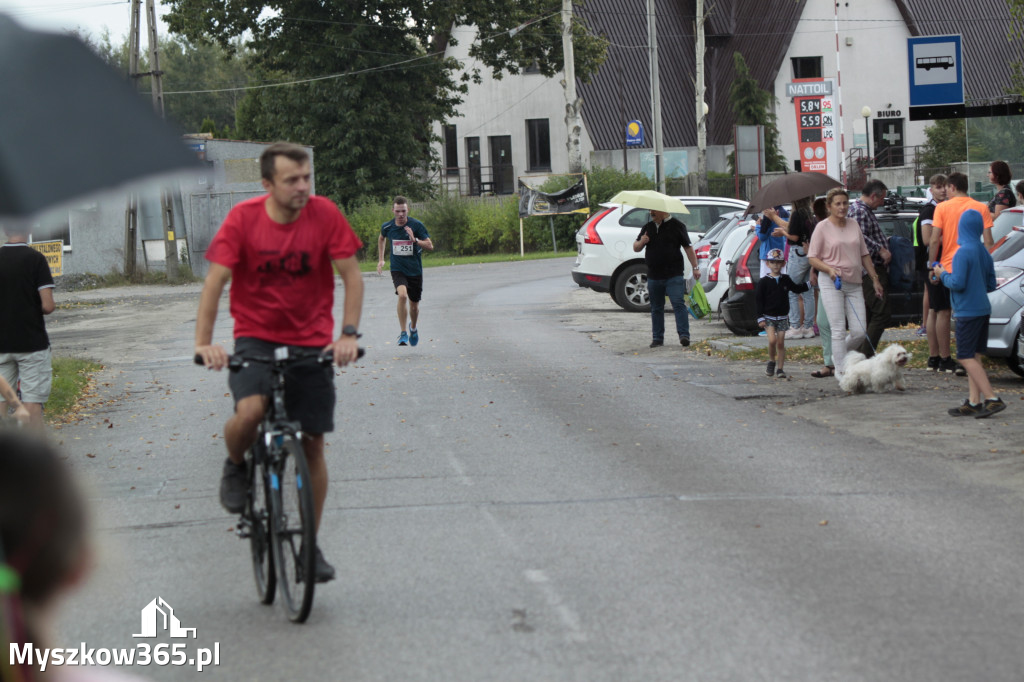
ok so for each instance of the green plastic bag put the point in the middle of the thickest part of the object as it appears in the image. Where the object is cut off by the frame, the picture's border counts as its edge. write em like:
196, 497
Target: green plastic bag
697, 302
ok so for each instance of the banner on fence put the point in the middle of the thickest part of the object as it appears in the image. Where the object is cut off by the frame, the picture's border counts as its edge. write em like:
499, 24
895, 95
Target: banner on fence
534, 202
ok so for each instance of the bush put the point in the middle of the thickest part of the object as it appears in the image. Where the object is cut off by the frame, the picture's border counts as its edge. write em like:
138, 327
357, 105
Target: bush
366, 217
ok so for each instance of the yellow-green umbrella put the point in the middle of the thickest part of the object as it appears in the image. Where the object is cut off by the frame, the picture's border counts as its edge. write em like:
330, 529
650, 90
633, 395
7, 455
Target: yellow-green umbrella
651, 200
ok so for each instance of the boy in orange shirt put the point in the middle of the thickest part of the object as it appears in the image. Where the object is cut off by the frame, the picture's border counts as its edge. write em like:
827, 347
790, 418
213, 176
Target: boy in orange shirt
943, 245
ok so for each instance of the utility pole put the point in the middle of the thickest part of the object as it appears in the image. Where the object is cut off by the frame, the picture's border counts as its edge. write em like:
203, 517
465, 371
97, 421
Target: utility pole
652, 39
702, 114
166, 202
572, 103
131, 213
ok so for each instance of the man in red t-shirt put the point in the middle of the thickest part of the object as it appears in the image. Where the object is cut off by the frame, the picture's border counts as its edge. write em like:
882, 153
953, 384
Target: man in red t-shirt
280, 252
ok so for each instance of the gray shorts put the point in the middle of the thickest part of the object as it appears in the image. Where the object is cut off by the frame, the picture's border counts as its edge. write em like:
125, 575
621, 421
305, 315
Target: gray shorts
34, 371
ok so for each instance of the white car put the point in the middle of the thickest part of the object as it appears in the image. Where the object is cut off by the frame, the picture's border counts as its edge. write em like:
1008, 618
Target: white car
605, 260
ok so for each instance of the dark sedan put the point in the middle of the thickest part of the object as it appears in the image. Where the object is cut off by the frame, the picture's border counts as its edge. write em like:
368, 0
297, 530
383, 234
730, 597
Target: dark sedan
744, 268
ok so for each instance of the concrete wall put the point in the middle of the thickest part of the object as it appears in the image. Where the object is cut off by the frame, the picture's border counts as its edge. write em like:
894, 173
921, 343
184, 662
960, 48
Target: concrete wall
502, 107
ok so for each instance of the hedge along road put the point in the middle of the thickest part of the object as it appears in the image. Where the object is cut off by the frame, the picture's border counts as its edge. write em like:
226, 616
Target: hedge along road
529, 495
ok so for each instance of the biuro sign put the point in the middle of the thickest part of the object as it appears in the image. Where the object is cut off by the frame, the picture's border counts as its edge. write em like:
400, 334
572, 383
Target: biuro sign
54, 252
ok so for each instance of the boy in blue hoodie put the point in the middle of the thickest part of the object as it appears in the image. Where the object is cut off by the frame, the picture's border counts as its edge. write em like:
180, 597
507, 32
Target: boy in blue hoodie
973, 276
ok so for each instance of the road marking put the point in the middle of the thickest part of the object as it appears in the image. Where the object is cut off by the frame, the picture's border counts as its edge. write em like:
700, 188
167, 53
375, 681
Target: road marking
554, 599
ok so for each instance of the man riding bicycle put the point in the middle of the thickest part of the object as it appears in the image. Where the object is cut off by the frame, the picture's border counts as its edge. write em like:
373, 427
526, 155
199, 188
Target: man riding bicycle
280, 252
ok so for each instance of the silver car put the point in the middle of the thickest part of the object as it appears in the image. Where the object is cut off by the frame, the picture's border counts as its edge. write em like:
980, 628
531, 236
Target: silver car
1004, 325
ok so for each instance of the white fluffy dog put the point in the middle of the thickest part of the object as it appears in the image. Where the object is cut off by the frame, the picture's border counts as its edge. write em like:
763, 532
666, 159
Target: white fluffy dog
878, 373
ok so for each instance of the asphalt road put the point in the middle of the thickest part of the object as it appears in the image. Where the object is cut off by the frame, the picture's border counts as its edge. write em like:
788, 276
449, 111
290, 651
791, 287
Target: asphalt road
532, 494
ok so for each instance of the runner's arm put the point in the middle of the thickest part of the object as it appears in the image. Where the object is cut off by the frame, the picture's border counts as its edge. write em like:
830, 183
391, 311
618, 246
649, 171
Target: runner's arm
214, 356
346, 348
381, 243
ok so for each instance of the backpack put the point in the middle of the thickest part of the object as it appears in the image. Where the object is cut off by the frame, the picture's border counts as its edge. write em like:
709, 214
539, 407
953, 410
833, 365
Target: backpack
901, 267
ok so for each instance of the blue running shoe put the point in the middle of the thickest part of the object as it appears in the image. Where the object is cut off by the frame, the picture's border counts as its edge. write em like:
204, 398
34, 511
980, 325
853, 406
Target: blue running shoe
403, 339
414, 337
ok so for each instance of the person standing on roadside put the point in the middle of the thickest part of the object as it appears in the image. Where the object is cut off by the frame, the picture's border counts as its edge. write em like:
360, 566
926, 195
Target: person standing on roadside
999, 174
665, 239
972, 277
26, 296
943, 246
936, 296
876, 305
409, 238
280, 251
838, 251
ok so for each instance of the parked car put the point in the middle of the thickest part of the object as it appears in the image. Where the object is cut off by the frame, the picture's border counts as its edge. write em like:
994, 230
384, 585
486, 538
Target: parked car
744, 271
1004, 324
605, 261
1004, 224
717, 248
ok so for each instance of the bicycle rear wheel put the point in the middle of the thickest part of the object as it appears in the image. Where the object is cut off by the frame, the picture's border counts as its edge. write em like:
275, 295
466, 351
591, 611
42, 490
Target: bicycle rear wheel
259, 530
294, 530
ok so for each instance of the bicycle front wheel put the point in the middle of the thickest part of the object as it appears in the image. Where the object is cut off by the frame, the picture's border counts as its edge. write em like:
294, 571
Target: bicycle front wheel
294, 530
259, 530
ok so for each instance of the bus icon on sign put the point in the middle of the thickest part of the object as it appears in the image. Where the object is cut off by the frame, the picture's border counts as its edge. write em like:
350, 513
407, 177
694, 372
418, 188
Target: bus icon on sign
928, 63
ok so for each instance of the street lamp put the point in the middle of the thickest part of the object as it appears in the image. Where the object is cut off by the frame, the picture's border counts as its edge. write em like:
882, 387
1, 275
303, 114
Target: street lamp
866, 113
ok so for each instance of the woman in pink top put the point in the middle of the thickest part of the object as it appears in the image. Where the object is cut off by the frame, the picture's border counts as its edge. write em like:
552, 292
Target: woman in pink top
838, 251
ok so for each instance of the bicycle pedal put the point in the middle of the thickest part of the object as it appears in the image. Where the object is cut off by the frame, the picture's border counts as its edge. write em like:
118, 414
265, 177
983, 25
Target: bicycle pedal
242, 530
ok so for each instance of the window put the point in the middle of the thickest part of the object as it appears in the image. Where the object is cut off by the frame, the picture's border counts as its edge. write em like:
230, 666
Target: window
538, 140
53, 226
806, 67
451, 151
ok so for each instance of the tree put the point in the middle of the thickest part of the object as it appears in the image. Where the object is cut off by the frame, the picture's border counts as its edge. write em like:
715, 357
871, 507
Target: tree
752, 105
191, 71
369, 77
947, 143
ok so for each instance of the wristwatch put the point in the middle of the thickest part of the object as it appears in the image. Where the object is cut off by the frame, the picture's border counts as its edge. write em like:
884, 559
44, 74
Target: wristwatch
350, 330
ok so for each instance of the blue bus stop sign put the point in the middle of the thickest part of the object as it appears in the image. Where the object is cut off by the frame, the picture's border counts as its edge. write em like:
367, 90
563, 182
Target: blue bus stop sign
936, 70
634, 134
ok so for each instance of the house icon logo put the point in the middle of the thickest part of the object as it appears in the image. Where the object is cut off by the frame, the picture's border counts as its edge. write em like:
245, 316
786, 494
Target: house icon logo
159, 616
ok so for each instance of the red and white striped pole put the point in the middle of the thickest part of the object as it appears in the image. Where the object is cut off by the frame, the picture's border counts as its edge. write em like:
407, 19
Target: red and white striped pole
839, 102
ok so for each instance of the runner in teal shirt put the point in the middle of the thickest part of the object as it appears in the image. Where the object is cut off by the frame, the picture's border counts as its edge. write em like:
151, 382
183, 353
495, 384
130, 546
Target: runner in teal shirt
409, 238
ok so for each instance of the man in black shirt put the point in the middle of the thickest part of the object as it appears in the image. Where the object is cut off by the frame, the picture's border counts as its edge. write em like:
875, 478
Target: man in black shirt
26, 294
666, 238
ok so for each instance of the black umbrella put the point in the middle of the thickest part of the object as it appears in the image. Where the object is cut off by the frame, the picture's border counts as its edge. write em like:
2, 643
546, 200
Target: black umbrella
789, 188
70, 125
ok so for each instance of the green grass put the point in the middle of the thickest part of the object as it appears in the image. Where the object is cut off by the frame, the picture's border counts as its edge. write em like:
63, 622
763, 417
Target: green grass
433, 260
71, 378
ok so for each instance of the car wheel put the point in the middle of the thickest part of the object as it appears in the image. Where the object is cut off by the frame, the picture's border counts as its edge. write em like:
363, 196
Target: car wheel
612, 294
630, 290
1013, 360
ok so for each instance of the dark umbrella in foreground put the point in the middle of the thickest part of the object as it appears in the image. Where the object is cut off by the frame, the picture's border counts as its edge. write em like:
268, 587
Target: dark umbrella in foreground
789, 188
70, 125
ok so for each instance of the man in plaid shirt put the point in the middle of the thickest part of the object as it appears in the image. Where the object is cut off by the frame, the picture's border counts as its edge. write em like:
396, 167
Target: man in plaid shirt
878, 310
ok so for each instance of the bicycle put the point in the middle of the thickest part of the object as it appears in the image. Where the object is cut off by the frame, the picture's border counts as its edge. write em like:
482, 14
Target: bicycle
278, 517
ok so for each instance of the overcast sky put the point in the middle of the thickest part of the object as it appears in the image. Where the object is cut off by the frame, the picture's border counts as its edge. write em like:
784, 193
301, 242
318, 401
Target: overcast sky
89, 15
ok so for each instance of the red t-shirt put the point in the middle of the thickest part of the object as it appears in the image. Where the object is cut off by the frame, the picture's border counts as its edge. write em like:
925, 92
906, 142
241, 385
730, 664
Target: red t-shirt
282, 278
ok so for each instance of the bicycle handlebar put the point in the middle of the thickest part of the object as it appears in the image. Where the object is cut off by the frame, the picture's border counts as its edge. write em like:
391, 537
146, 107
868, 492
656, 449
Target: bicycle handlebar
235, 362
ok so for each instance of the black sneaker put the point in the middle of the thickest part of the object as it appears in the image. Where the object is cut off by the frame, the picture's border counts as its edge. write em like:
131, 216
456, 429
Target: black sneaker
779, 374
966, 410
323, 572
656, 342
769, 369
234, 486
685, 340
990, 407
933, 363
951, 366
